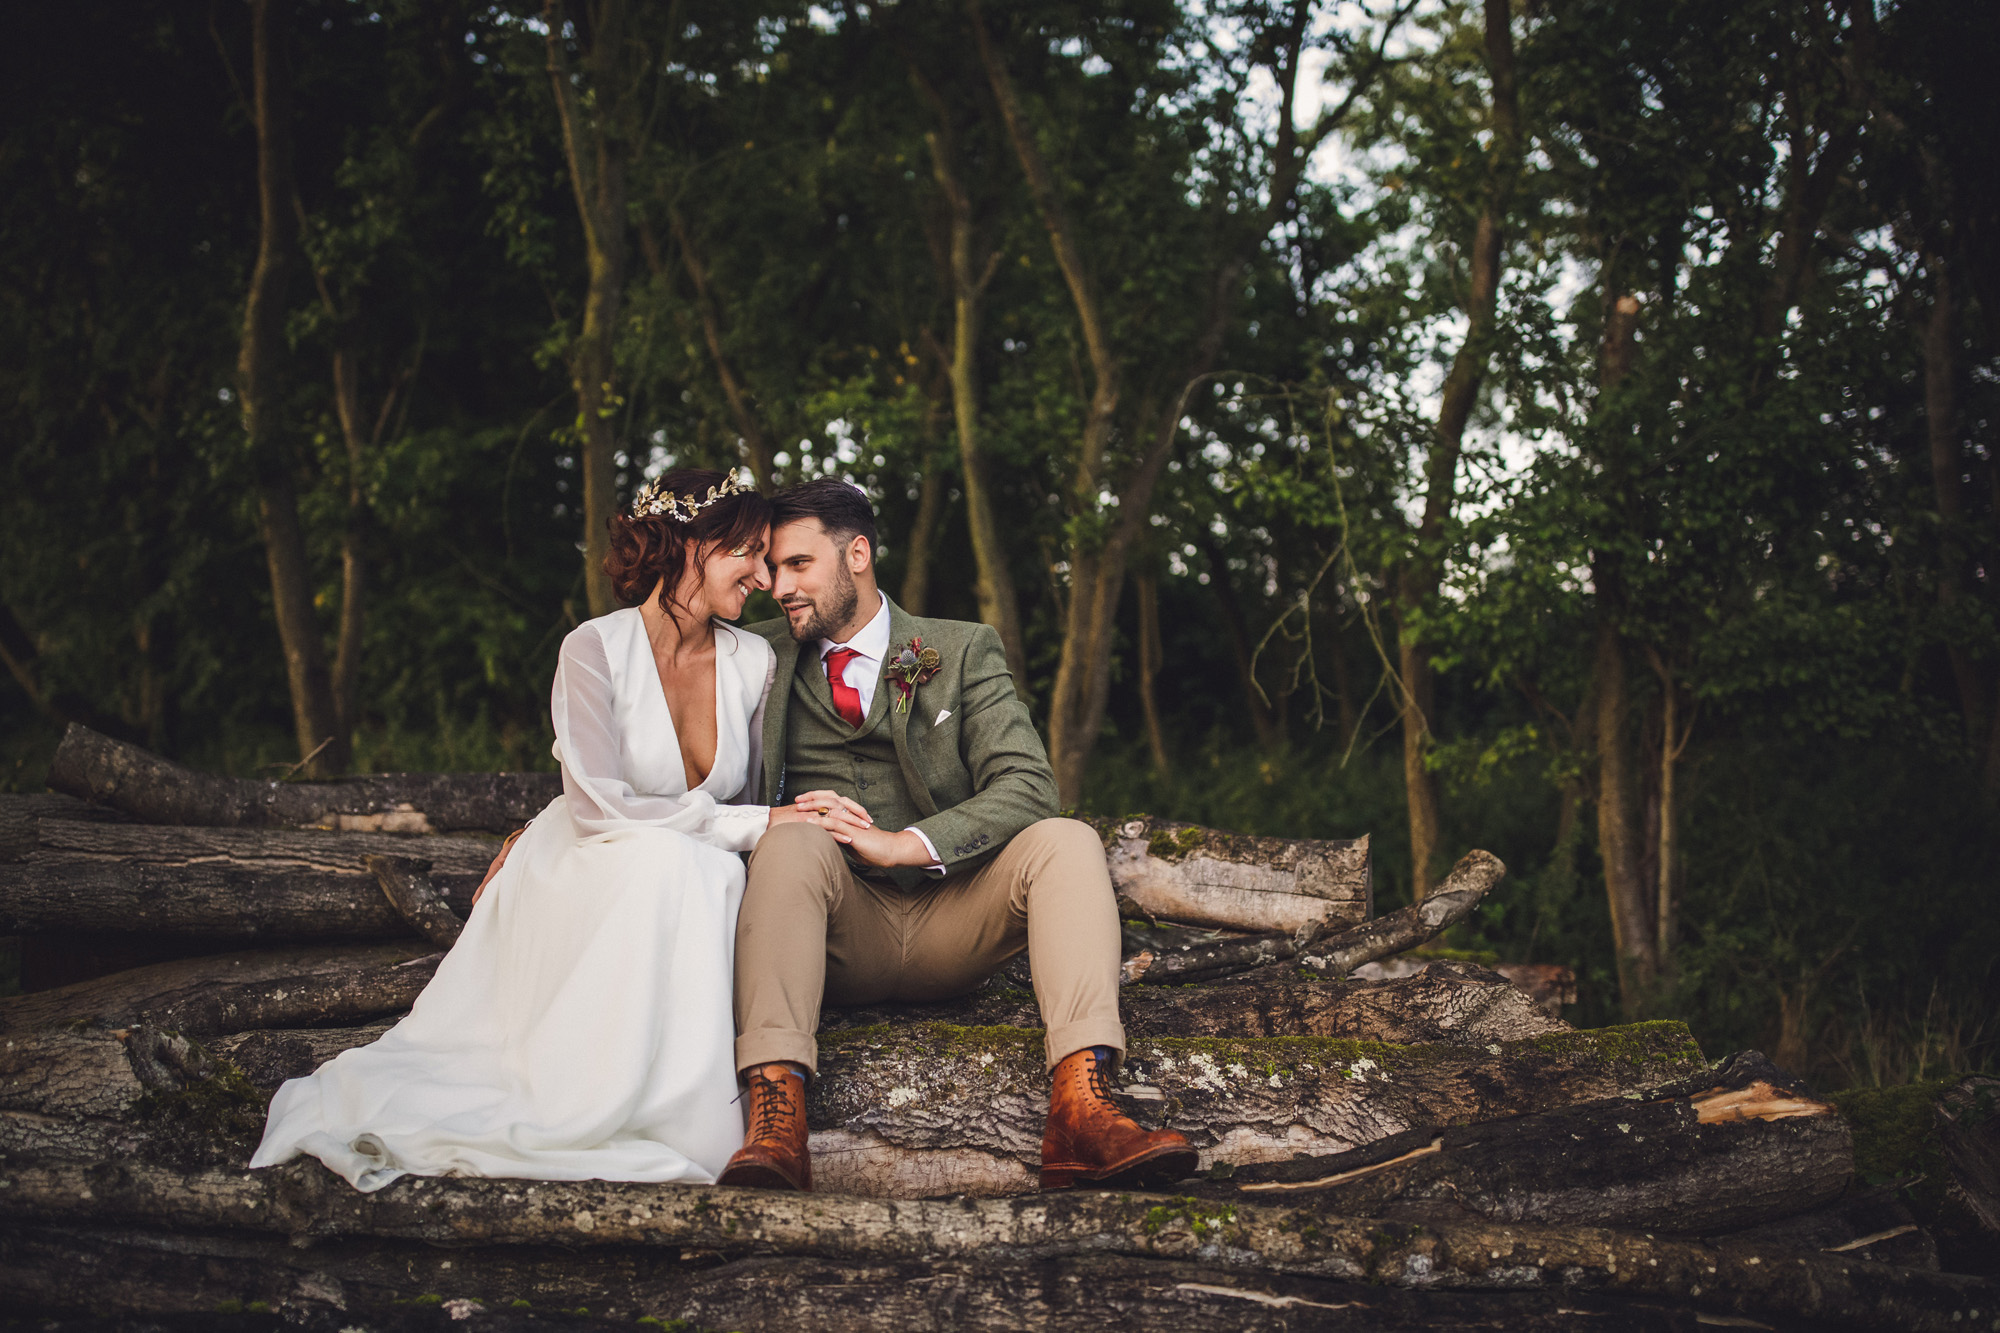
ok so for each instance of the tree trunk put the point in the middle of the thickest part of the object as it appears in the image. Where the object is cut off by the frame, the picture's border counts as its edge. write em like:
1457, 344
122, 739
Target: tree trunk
967, 278
1618, 826
1420, 785
1423, 569
94, 767
353, 544
597, 144
921, 544
315, 714
1096, 563
1947, 482
1149, 669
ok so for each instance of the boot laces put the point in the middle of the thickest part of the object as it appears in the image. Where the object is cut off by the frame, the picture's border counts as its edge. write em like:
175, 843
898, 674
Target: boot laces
1098, 1086
772, 1113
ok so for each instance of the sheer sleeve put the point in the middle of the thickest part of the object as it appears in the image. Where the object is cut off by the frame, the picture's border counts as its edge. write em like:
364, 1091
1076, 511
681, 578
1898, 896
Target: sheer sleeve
753, 773
583, 707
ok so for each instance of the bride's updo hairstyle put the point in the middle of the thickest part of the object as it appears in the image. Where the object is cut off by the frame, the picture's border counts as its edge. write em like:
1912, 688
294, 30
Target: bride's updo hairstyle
678, 520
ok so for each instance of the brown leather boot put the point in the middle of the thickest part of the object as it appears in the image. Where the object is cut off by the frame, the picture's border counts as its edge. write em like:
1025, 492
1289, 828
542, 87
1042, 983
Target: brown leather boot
1089, 1141
773, 1155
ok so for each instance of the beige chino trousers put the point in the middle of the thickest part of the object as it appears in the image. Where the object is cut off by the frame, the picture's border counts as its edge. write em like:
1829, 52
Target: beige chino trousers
811, 929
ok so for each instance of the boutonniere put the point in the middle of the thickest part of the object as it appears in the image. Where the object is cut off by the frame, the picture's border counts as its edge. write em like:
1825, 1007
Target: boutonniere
912, 665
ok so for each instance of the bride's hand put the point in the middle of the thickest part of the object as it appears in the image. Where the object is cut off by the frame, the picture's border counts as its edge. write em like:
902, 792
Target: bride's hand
500, 859
813, 806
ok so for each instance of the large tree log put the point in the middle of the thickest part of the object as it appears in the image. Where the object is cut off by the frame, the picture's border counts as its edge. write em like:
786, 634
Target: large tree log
95, 767
1968, 1128
1325, 951
206, 997
909, 1111
325, 1288
1449, 1002
1747, 1149
304, 1201
927, 1109
1205, 877
219, 884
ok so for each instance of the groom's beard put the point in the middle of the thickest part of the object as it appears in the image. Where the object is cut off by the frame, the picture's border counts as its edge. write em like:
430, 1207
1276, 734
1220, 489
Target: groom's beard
823, 620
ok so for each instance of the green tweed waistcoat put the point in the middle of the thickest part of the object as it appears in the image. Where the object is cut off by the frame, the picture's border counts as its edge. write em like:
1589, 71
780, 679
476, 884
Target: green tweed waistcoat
961, 761
823, 752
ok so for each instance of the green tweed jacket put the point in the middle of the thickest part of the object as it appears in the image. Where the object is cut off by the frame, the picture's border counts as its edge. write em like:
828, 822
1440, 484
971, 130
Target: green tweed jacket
970, 758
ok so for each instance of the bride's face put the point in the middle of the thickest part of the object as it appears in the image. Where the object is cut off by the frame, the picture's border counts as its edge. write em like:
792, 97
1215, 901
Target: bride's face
732, 574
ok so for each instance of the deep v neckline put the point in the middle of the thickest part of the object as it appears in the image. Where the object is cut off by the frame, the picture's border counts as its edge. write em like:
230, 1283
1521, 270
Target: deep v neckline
673, 723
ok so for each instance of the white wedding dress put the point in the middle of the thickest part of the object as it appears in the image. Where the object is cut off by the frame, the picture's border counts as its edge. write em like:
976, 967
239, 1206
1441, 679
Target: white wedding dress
581, 1028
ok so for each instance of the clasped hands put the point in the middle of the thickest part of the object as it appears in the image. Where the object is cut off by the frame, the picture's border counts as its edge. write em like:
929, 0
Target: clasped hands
852, 826
848, 821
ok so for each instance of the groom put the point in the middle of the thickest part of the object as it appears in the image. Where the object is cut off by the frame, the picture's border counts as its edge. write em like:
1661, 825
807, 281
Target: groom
944, 862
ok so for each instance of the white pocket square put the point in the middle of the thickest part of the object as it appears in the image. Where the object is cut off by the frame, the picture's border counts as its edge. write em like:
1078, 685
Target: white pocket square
943, 713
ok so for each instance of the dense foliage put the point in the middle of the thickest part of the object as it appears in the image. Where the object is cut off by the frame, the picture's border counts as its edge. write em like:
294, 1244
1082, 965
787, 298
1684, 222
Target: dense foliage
1567, 429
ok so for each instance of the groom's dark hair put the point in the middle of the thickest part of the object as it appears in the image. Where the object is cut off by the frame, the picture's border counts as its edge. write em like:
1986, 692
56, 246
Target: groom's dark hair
841, 509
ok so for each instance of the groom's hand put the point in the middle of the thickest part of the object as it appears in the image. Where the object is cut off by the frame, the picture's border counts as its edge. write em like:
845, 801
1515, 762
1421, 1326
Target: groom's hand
875, 846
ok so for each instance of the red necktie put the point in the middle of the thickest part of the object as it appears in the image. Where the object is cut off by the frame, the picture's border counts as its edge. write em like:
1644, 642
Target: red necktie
846, 699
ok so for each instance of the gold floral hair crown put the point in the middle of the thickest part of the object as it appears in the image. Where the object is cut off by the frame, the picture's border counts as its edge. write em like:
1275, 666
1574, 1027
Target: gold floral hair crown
655, 499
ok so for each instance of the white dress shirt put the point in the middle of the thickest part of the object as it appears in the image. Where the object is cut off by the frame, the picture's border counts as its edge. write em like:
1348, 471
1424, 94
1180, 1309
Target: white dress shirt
863, 675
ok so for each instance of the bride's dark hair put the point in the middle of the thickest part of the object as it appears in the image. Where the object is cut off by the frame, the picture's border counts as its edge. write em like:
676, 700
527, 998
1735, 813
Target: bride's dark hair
649, 549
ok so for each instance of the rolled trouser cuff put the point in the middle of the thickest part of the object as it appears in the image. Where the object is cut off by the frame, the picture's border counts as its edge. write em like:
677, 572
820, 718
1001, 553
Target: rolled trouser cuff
1067, 1040
769, 1046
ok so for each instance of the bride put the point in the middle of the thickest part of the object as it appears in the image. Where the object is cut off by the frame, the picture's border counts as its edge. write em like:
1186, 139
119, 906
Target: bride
581, 1027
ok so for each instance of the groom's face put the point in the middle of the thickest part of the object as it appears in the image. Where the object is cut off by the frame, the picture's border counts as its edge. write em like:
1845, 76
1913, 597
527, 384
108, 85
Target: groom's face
812, 582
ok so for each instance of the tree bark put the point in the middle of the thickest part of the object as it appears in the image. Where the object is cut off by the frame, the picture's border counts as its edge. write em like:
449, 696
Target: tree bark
597, 144
1422, 570
95, 767
315, 714
967, 276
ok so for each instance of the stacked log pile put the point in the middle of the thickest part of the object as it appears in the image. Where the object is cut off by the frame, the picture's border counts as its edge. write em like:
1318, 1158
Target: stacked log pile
1426, 1150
